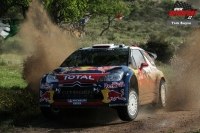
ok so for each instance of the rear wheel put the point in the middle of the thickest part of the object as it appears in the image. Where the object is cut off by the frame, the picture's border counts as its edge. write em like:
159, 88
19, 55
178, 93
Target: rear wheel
51, 113
130, 112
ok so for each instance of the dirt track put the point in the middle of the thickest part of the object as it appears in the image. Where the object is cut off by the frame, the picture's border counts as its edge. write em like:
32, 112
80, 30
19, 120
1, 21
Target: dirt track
107, 121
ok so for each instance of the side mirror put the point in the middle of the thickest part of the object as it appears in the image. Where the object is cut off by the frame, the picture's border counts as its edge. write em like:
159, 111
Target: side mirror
144, 64
152, 55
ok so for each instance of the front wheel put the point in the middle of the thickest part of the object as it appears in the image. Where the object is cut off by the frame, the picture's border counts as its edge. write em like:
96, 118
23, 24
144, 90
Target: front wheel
130, 112
51, 113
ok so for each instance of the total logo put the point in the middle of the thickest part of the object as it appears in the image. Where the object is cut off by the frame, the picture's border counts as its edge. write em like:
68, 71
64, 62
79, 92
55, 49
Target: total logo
70, 77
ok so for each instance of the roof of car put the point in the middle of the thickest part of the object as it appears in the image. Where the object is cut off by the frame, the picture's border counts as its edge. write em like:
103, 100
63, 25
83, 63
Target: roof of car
111, 46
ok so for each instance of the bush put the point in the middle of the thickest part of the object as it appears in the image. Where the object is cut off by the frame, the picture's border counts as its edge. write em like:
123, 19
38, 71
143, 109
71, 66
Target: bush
162, 48
15, 101
2, 63
11, 46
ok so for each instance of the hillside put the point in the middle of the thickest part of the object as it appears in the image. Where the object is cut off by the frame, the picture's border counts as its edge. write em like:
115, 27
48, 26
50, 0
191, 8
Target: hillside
147, 19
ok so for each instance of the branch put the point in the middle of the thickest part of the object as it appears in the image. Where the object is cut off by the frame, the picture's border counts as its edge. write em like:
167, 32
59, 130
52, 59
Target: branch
108, 26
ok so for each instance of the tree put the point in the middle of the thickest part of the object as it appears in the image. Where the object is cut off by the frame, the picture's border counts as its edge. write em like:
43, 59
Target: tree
160, 46
73, 10
65, 10
108, 8
5, 5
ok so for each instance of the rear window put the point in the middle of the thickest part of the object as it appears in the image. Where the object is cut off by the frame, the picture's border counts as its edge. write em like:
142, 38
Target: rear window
97, 57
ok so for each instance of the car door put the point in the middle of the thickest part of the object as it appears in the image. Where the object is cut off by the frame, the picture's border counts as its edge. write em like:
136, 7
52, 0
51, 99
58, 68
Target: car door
151, 74
141, 74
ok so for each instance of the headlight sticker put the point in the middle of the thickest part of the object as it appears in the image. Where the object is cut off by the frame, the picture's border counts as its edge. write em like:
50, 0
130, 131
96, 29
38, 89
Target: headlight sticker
46, 86
114, 85
51, 78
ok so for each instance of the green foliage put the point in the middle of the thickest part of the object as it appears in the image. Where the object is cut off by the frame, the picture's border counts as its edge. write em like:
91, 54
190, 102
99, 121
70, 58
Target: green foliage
66, 10
73, 10
11, 45
150, 10
162, 48
5, 5
14, 102
2, 63
108, 7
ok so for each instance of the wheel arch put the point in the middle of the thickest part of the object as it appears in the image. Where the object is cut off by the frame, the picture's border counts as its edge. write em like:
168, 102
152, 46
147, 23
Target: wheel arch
158, 82
133, 84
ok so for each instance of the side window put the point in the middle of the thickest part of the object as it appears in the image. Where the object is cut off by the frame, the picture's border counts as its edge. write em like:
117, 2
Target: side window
138, 57
133, 64
149, 58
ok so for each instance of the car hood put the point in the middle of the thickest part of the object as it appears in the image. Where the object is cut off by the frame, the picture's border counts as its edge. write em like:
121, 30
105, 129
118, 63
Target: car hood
88, 69
82, 74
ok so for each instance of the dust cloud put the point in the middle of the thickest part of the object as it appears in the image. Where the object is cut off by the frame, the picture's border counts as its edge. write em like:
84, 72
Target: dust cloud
184, 94
46, 44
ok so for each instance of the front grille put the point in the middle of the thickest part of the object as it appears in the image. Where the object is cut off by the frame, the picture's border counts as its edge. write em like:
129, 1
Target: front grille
75, 84
78, 90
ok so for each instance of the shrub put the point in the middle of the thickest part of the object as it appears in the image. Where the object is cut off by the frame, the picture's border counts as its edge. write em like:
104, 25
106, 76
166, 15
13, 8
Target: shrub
2, 63
162, 48
15, 101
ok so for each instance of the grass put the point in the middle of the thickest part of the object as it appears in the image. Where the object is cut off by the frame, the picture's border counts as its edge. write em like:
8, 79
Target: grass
11, 71
11, 76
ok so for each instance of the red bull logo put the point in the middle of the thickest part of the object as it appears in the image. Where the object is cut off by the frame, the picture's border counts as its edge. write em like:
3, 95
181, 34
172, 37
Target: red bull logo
114, 85
111, 95
46, 86
47, 96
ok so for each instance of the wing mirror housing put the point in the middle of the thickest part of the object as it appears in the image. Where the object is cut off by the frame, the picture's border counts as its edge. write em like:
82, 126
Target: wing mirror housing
144, 64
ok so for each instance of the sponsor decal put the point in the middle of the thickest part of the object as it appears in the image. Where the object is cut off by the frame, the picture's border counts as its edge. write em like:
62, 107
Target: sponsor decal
47, 96
111, 95
80, 92
76, 101
180, 9
96, 89
114, 85
181, 12
46, 86
70, 77
87, 68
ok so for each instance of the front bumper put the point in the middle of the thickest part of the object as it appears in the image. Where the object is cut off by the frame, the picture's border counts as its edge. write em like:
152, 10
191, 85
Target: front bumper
73, 95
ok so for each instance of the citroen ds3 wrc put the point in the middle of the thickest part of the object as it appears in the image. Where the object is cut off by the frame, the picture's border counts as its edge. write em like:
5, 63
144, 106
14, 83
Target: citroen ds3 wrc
104, 75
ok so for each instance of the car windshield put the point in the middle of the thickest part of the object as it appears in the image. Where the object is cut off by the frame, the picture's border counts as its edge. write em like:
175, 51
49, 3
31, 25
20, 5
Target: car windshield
97, 57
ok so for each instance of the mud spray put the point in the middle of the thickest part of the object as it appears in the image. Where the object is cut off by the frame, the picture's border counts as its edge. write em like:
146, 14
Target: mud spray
47, 45
184, 94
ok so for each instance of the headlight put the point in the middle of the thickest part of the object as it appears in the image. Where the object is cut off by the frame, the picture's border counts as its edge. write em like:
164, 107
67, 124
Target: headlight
115, 75
51, 78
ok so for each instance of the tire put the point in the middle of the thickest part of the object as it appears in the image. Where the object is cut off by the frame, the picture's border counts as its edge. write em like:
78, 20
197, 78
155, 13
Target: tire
162, 94
130, 112
51, 113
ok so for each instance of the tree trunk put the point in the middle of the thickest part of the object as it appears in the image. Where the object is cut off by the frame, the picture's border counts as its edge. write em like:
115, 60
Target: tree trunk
108, 26
24, 9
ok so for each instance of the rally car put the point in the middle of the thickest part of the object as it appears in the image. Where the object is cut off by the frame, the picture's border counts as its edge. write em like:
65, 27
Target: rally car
104, 75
